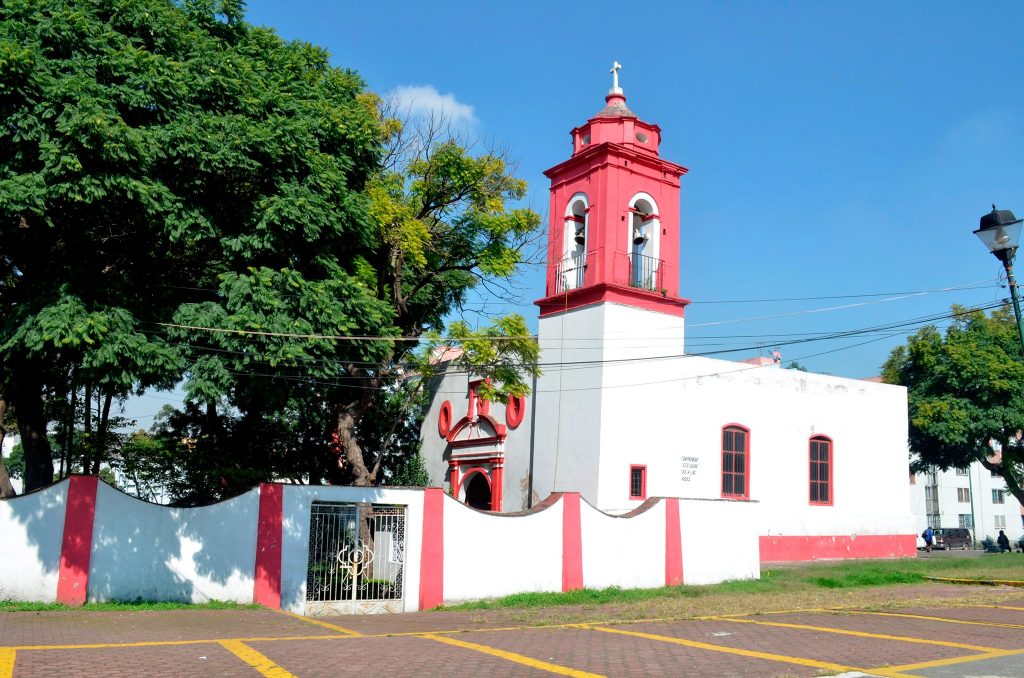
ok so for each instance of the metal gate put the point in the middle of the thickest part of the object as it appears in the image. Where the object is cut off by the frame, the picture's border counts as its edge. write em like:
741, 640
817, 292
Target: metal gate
356, 558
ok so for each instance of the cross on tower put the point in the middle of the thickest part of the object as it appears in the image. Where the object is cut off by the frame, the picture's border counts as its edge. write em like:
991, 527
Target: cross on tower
616, 66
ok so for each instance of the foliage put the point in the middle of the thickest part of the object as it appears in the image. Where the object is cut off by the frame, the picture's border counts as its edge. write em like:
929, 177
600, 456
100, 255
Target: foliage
965, 392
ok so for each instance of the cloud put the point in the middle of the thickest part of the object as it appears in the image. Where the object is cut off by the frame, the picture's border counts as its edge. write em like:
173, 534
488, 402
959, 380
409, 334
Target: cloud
426, 100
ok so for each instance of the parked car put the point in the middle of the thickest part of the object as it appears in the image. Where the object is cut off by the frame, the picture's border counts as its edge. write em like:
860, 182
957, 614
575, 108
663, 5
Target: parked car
953, 538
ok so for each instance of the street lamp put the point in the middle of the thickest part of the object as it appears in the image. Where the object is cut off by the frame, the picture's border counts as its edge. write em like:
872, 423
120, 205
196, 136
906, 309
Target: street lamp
1000, 231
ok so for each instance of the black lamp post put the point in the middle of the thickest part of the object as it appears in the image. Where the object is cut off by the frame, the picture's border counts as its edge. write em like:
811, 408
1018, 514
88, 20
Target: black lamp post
1000, 231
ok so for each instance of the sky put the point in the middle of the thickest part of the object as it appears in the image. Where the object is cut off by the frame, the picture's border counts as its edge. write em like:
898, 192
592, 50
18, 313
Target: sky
835, 149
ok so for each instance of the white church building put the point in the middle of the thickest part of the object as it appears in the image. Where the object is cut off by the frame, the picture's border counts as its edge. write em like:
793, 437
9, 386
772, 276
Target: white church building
622, 413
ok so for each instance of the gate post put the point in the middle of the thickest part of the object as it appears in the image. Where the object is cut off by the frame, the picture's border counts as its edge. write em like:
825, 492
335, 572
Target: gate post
266, 589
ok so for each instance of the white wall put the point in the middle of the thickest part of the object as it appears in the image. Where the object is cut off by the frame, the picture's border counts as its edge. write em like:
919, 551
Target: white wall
490, 555
153, 552
31, 532
298, 499
626, 552
720, 540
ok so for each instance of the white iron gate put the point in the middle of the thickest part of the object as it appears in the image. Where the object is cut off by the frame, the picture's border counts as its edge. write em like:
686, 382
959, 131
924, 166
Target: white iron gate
356, 558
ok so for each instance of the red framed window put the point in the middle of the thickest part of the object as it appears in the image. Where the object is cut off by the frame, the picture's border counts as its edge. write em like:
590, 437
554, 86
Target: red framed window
821, 470
637, 482
736, 462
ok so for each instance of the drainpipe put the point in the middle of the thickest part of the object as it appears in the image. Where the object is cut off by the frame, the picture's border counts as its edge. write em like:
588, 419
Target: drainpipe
533, 431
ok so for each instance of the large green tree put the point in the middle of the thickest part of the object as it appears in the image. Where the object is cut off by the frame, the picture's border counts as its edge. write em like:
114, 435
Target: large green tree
184, 196
966, 390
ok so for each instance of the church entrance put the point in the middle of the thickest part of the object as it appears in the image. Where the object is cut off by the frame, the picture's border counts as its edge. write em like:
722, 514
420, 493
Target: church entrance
478, 492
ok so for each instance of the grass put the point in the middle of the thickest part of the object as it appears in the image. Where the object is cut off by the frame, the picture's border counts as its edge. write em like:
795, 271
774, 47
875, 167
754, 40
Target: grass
797, 583
123, 606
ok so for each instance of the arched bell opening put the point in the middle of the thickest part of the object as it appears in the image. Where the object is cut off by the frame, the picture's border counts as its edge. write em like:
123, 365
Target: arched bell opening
574, 244
477, 491
643, 243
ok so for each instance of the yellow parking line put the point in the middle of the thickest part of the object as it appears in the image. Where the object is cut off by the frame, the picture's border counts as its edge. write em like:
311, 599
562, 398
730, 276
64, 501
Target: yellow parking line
941, 619
954, 660
166, 643
7, 662
257, 660
813, 663
865, 634
513, 657
326, 625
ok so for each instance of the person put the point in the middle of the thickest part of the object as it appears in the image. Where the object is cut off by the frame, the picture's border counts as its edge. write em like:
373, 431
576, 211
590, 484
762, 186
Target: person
929, 536
1004, 542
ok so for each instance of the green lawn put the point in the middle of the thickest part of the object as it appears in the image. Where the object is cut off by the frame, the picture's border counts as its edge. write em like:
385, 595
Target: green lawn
787, 579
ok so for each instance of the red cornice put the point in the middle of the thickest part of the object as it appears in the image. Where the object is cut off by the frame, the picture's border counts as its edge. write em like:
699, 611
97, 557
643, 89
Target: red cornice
619, 294
621, 150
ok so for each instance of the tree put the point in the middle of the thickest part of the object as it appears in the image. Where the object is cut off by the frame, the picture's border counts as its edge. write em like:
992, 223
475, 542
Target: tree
965, 391
152, 150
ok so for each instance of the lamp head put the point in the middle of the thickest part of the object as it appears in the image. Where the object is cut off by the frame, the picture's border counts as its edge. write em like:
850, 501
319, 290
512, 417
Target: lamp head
999, 230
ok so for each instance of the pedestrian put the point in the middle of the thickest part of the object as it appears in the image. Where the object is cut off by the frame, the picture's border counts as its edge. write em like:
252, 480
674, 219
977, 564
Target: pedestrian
1004, 542
929, 536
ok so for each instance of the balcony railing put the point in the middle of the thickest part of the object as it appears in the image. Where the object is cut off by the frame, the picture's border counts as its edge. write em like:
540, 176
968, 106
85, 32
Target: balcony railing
569, 273
643, 272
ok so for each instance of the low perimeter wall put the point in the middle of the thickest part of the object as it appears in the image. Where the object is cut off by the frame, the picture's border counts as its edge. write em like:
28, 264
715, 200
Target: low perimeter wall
83, 540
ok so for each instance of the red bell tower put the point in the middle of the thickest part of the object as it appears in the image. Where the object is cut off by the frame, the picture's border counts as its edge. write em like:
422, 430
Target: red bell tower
614, 229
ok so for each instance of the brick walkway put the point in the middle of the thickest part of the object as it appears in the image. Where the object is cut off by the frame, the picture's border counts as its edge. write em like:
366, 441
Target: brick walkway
920, 641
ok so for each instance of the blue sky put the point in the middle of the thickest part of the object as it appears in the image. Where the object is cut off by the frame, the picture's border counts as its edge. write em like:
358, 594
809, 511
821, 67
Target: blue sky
834, 148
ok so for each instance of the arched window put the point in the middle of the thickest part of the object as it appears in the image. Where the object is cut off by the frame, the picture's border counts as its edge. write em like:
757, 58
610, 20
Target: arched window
736, 462
574, 244
821, 470
645, 227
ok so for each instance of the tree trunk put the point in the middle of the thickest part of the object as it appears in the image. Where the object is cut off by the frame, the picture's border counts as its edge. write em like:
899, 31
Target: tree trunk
101, 435
88, 443
6, 489
350, 449
27, 398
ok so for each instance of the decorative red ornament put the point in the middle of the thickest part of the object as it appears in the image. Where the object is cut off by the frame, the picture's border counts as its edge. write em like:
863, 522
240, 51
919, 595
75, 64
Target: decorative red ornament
444, 419
515, 410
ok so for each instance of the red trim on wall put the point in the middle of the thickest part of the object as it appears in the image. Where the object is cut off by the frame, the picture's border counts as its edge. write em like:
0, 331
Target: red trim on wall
76, 545
432, 551
266, 589
604, 292
673, 544
515, 410
798, 548
444, 419
572, 542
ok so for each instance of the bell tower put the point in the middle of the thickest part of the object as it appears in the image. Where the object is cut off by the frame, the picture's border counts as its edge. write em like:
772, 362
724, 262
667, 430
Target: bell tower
614, 216
611, 320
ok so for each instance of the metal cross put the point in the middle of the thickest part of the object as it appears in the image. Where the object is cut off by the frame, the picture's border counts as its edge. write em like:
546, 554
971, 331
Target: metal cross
615, 74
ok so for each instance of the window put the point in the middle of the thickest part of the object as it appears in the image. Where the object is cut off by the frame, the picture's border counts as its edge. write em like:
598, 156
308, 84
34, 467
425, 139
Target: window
998, 497
929, 492
963, 495
966, 520
961, 471
934, 519
637, 482
735, 462
1000, 522
821, 470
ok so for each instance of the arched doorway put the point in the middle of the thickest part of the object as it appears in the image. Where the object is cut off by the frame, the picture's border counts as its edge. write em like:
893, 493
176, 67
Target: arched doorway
478, 492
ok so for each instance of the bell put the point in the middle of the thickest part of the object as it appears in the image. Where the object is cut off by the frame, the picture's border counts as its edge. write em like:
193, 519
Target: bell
581, 237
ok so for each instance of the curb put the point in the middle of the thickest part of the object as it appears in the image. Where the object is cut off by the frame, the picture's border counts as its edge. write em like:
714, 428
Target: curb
979, 582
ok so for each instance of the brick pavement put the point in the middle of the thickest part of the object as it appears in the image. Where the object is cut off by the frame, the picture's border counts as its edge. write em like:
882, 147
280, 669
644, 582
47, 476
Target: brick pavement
793, 644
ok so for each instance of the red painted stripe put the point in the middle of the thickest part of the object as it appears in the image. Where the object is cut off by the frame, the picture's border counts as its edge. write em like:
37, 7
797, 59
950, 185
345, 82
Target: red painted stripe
266, 588
572, 542
782, 549
76, 546
673, 544
432, 552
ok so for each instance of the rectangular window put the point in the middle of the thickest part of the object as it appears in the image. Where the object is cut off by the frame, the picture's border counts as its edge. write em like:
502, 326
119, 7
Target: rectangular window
966, 520
929, 492
934, 519
998, 497
821, 470
637, 482
1000, 522
963, 495
735, 462
961, 471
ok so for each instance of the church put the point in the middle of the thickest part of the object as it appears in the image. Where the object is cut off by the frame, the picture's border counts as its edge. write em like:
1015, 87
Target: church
622, 413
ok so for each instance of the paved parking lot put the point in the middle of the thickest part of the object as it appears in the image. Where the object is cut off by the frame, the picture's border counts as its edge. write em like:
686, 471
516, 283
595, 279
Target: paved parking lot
936, 642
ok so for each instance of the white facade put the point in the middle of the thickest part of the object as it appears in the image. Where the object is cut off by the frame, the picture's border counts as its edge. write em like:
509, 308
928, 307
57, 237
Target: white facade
973, 498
